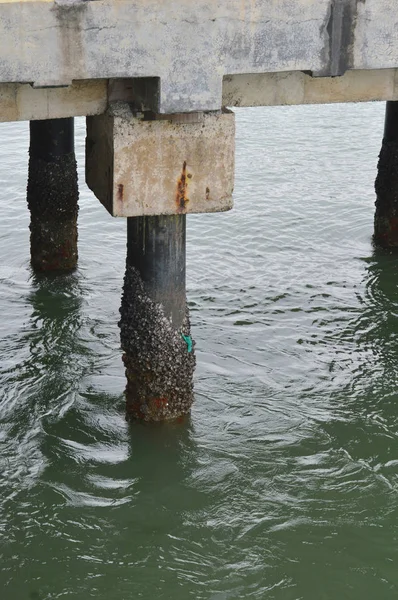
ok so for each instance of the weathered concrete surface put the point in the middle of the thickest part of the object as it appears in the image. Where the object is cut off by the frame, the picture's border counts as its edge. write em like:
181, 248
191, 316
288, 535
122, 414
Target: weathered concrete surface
190, 45
22, 102
273, 89
141, 167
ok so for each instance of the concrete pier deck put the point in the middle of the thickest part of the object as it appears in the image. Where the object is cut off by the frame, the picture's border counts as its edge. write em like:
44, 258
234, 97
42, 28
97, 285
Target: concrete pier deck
63, 58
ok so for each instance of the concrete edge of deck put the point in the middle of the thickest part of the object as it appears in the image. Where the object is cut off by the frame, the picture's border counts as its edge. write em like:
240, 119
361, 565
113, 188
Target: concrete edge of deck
22, 102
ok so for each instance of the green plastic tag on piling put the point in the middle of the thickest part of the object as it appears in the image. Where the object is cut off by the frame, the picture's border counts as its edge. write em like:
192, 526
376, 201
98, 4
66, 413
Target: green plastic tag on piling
188, 340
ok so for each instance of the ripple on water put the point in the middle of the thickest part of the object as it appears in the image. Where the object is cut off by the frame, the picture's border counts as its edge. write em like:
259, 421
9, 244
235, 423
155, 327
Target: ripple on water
283, 484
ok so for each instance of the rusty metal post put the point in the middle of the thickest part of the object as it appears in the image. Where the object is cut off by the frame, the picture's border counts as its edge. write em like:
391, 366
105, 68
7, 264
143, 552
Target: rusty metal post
52, 195
386, 185
154, 326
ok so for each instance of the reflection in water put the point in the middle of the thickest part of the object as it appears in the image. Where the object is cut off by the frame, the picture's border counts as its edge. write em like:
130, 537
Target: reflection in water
381, 311
72, 451
37, 385
55, 323
38, 388
365, 419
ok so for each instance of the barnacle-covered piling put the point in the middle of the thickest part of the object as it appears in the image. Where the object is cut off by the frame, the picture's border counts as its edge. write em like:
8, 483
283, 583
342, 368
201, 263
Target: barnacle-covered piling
386, 185
52, 195
155, 330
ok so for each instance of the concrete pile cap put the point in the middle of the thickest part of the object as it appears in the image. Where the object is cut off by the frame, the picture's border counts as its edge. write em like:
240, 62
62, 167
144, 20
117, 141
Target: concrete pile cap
154, 165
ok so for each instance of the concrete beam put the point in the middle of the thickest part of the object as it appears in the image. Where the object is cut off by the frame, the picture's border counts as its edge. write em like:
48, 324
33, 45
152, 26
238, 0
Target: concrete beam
140, 166
22, 102
274, 89
186, 47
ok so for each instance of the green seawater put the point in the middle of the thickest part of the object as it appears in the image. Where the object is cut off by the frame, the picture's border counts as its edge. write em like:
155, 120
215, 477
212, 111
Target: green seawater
283, 484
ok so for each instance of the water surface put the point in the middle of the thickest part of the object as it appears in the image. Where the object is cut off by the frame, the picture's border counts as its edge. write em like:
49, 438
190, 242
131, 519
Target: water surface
284, 483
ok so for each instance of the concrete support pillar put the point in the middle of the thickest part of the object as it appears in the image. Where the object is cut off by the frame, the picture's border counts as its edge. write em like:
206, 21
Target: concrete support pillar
155, 330
386, 185
154, 169
52, 195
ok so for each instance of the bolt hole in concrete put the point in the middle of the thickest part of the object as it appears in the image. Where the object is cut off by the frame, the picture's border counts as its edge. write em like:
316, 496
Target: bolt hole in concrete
282, 484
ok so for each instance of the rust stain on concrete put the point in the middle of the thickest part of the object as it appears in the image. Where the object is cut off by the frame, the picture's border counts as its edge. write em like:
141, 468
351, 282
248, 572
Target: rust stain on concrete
182, 188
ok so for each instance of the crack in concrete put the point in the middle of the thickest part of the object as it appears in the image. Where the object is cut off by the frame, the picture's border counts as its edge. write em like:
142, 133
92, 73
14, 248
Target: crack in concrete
71, 27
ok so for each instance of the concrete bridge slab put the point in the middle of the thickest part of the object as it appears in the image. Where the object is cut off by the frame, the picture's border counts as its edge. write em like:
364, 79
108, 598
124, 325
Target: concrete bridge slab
189, 46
